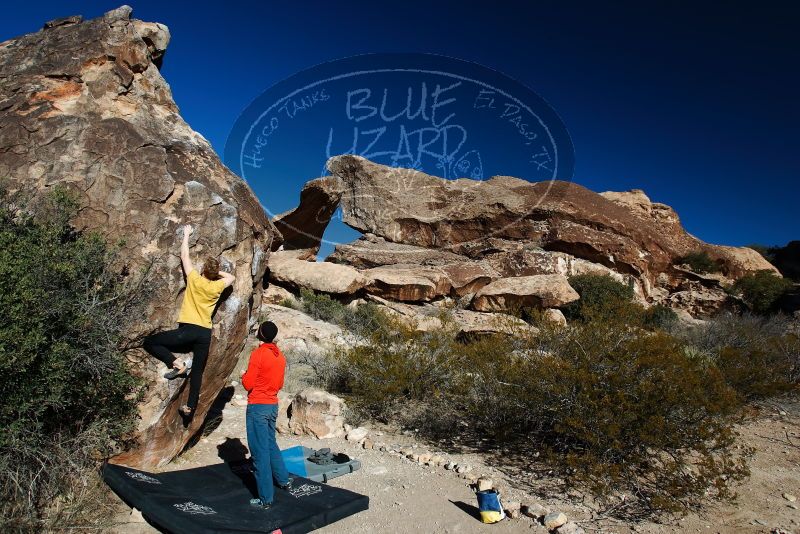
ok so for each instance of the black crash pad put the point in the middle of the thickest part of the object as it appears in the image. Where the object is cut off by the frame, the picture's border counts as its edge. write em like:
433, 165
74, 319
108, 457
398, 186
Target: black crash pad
216, 499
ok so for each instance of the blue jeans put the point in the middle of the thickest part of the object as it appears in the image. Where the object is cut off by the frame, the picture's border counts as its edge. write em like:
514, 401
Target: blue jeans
267, 460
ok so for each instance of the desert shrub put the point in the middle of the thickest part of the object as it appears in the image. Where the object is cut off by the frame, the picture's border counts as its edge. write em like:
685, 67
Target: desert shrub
659, 317
758, 372
759, 356
361, 320
761, 290
290, 303
66, 397
699, 262
600, 294
398, 364
618, 409
321, 306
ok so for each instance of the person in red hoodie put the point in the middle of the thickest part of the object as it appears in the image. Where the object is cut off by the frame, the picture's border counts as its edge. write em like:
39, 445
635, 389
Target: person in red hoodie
262, 380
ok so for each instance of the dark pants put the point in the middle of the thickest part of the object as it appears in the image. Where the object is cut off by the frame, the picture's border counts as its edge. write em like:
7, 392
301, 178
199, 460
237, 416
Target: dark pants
267, 460
185, 338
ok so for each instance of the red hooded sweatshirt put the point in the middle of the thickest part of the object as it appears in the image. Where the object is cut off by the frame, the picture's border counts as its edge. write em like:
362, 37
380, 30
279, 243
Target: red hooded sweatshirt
264, 376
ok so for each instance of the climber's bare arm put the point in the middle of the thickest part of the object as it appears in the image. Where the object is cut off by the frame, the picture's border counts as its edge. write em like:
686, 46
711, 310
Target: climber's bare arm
228, 277
186, 260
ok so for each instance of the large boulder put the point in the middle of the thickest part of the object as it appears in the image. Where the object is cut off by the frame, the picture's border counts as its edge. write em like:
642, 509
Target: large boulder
83, 105
407, 282
540, 291
286, 268
317, 413
300, 333
373, 251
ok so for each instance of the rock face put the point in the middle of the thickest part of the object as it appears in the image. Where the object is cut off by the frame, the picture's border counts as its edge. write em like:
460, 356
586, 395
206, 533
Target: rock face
83, 105
302, 227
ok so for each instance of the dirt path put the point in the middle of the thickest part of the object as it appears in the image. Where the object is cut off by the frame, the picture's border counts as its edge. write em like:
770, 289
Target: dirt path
407, 497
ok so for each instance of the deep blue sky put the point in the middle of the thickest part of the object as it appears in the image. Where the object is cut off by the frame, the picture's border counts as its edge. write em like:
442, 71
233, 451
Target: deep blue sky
699, 105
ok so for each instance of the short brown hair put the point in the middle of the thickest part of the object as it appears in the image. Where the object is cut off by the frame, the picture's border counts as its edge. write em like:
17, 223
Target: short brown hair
211, 269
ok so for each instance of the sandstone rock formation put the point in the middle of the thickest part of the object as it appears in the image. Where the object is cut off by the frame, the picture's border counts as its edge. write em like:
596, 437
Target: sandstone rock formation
317, 413
299, 333
286, 268
478, 232
540, 291
83, 105
302, 228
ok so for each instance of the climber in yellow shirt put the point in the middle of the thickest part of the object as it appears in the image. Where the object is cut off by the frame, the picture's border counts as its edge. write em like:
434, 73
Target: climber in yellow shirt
203, 290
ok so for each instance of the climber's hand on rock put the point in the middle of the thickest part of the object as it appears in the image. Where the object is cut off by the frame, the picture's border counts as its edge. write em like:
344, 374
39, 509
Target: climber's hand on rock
187, 231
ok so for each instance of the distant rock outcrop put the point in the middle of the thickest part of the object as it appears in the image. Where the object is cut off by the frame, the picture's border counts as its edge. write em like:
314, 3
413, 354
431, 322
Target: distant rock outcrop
83, 105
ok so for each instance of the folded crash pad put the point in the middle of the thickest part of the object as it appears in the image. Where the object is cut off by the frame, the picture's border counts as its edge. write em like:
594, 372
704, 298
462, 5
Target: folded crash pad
298, 462
216, 499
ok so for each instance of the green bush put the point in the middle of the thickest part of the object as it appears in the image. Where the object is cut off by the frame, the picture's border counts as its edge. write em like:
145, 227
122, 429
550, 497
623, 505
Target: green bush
361, 320
398, 364
66, 397
600, 295
761, 290
699, 262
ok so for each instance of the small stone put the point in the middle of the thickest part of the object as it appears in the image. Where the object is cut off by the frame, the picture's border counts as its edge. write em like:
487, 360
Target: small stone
760, 522
789, 497
570, 527
424, 457
406, 451
437, 460
239, 396
463, 468
450, 466
535, 510
347, 428
553, 520
471, 478
136, 516
513, 509
484, 484
357, 434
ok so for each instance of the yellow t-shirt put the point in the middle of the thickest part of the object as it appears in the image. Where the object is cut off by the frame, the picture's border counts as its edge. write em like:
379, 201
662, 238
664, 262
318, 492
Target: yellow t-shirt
199, 299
